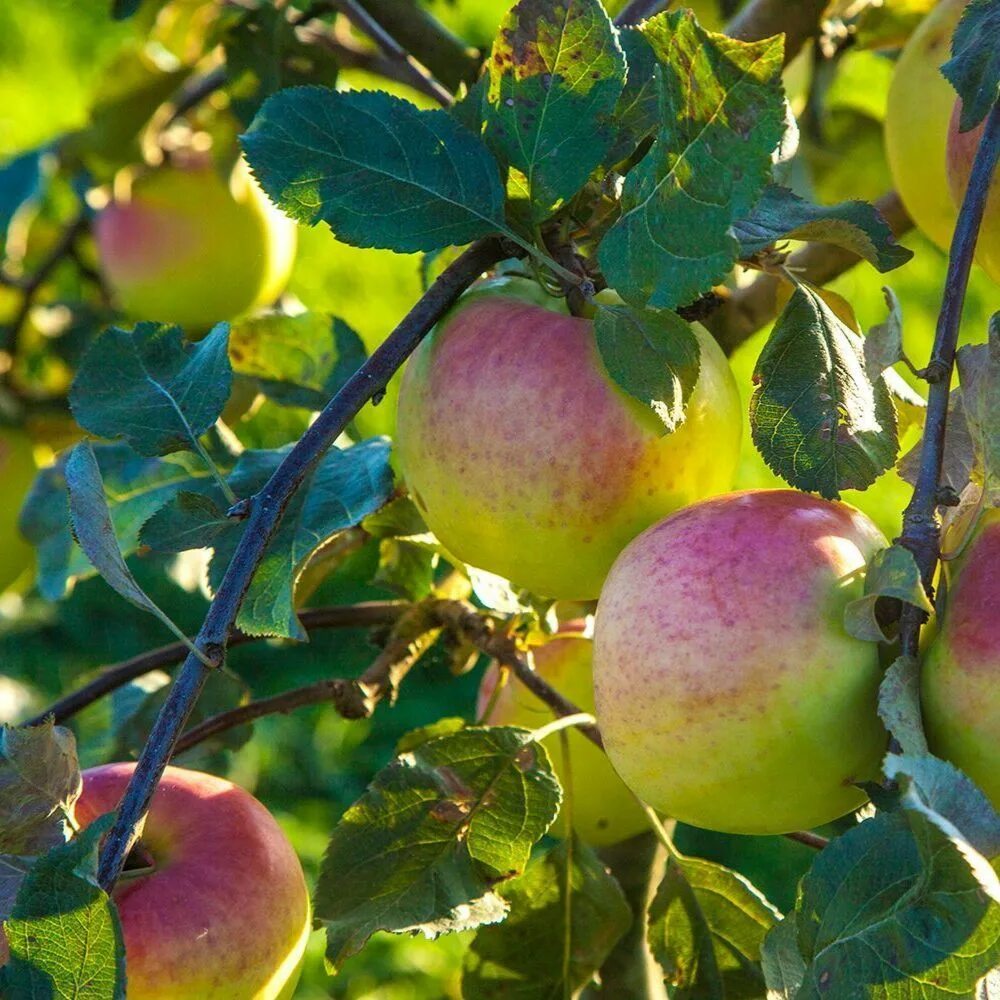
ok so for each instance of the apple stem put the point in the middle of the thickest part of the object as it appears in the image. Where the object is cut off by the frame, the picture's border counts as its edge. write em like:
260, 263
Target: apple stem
266, 512
921, 530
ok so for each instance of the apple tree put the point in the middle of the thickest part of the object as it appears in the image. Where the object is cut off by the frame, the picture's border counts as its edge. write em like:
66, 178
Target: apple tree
479, 399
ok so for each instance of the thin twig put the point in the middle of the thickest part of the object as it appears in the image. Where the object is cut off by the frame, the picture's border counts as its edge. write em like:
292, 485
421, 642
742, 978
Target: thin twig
267, 508
813, 840
195, 92
637, 11
921, 531
363, 615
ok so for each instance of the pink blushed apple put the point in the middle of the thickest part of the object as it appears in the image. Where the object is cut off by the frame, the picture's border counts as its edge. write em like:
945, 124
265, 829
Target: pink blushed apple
728, 692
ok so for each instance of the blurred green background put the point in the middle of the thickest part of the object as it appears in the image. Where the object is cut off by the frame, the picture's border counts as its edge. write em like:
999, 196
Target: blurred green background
310, 766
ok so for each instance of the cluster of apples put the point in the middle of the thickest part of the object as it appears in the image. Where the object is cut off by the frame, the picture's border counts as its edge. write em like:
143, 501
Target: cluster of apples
727, 690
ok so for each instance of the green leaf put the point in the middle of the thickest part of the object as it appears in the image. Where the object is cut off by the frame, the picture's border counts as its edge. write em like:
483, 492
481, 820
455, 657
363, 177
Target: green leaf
151, 387
706, 928
899, 704
346, 486
39, 783
892, 574
122, 10
721, 116
781, 962
299, 360
556, 73
188, 521
64, 935
415, 737
567, 912
377, 170
893, 900
13, 871
884, 341
468, 110
979, 376
974, 68
95, 533
780, 214
21, 181
425, 846
264, 54
134, 488
653, 356
637, 113
817, 418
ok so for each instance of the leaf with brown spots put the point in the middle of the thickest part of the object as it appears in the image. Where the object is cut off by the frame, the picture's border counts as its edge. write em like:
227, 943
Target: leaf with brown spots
556, 73
436, 831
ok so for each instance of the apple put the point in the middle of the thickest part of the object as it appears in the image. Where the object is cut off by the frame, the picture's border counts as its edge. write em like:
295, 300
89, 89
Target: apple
528, 461
225, 914
187, 246
916, 123
17, 473
728, 692
960, 677
604, 810
962, 148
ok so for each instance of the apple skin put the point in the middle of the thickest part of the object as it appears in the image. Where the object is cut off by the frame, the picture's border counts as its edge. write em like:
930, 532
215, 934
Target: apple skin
728, 692
528, 461
189, 248
225, 915
604, 810
962, 148
960, 676
916, 123
17, 473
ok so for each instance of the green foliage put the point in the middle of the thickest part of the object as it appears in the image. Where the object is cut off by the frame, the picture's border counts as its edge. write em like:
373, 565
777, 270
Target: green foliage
974, 68
893, 575
899, 704
20, 182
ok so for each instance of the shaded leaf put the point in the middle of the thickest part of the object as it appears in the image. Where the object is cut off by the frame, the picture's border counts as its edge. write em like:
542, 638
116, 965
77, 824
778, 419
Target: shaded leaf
188, 521
979, 376
780, 214
151, 387
39, 783
706, 927
722, 114
425, 846
13, 871
122, 10
556, 72
884, 342
64, 935
817, 419
653, 356
959, 450
377, 170
637, 112
899, 704
566, 914
781, 962
299, 360
974, 68
21, 181
892, 573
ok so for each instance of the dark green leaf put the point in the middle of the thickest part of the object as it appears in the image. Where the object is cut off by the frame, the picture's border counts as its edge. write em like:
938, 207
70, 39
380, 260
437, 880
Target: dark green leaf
425, 846
637, 113
817, 418
781, 962
405, 568
979, 376
566, 914
781, 214
468, 111
347, 486
122, 10
39, 783
64, 936
20, 181
188, 521
264, 55
134, 487
722, 114
892, 573
706, 928
13, 871
899, 704
556, 73
974, 68
652, 355
379, 171
151, 387
299, 360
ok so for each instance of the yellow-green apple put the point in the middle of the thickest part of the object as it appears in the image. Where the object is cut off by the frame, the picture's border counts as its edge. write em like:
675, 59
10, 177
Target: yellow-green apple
188, 246
960, 677
916, 123
728, 692
17, 473
528, 461
224, 914
604, 810
962, 148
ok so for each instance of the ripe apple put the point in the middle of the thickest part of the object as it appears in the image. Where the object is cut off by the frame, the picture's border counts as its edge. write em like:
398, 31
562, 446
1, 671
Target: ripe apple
528, 461
17, 473
916, 123
962, 148
224, 915
188, 247
604, 810
961, 671
728, 692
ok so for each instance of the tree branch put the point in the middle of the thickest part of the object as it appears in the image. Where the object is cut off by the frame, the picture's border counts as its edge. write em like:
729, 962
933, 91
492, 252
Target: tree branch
637, 11
921, 531
266, 509
798, 22
349, 616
